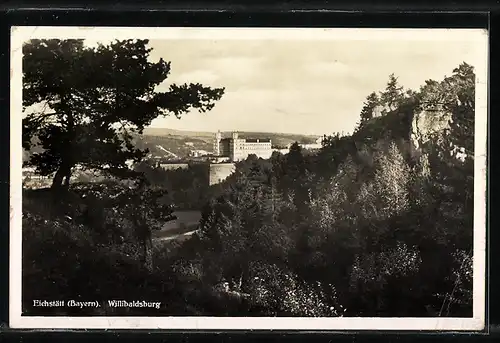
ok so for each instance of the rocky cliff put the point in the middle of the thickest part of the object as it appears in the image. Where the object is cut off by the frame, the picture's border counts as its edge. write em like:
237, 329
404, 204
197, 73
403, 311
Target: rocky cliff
428, 123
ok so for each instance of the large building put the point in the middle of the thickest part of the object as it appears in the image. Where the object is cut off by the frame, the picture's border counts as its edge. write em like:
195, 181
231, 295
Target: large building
238, 149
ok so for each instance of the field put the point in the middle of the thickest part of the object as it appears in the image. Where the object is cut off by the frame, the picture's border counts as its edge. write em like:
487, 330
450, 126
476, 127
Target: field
186, 221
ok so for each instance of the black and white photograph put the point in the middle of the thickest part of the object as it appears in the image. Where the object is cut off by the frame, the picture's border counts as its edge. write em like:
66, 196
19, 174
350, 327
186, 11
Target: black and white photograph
248, 178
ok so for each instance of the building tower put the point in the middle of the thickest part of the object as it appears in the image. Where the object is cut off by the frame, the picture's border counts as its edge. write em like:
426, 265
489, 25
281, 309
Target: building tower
217, 140
234, 149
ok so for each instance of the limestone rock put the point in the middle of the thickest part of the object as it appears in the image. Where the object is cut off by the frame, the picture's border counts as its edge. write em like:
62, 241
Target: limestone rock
378, 111
427, 123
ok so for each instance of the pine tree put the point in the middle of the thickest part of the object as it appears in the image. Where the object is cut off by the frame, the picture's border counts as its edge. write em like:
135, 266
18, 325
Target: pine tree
91, 100
463, 108
393, 94
372, 101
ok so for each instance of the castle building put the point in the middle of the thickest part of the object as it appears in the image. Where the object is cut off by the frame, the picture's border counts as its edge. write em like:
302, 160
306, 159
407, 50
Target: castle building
238, 149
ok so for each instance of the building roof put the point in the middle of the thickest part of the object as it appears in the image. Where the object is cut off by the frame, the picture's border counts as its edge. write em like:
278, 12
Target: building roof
255, 140
249, 140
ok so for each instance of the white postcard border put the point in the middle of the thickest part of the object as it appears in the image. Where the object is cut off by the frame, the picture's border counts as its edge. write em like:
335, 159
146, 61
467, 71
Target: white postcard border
477, 322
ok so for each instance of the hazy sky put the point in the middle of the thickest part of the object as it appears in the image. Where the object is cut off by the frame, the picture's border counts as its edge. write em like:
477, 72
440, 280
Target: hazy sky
310, 87
303, 82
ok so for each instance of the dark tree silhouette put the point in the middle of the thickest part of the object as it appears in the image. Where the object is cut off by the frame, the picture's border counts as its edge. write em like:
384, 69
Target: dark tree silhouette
372, 101
463, 107
392, 94
91, 100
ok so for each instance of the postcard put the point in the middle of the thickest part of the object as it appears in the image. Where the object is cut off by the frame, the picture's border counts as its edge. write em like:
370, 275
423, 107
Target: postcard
248, 178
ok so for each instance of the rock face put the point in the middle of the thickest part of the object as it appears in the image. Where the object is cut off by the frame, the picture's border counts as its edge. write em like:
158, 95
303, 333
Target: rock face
427, 123
381, 110
378, 110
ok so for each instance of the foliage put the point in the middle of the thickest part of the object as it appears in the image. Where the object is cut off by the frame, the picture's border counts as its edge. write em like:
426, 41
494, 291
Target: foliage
185, 188
347, 213
393, 94
365, 227
282, 293
372, 101
88, 102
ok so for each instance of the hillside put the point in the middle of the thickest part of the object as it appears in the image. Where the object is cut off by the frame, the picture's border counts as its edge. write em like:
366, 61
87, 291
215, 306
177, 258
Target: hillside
172, 147
173, 144
197, 137
176, 144
209, 135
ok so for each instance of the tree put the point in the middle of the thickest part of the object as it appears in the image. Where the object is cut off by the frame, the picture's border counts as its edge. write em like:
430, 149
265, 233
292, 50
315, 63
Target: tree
372, 101
431, 95
295, 163
392, 94
455, 95
462, 108
390, 182
89, 100
115, 209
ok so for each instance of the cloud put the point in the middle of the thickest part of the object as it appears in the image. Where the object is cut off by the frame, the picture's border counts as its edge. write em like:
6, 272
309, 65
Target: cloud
328, 68
233, 73
300, 85
199, 75
296, 111
241, 68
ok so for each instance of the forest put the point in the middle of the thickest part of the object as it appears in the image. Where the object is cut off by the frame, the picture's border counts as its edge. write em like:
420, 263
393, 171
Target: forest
377, 223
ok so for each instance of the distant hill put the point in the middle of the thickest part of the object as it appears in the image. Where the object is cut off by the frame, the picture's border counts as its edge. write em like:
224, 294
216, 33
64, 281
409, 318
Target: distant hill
175, 144
172, 147
278, 139
170, 132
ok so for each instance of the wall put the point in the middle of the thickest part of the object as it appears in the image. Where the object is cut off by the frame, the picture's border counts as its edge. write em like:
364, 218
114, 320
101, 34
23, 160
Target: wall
311, 146
242, 149
223, 148
173, 166
281, 151
238, 149
220, 171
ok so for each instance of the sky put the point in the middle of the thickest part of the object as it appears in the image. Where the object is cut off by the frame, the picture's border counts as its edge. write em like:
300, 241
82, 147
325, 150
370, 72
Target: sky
293, 83
309, 87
